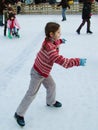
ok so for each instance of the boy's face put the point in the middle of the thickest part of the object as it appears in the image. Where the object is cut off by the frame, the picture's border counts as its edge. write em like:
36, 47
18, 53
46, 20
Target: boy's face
56, 35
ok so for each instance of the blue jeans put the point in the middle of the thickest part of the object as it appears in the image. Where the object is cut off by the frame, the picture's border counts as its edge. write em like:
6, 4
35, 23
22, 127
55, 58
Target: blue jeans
64, 13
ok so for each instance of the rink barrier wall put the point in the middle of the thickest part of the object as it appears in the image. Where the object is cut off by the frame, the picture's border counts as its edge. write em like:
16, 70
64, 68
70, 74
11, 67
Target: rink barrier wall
46, 8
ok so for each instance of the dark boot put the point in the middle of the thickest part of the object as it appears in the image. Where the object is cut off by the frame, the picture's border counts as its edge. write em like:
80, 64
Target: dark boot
17, 35
81, 25
56, 104
78, 31
64, 19
90, 32
88, 27
19, 119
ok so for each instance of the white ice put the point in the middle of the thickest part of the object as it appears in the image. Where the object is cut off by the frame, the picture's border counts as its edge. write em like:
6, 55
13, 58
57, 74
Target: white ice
77, 87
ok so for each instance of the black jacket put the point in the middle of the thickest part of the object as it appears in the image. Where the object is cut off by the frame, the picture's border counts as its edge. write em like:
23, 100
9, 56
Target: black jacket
64, 4
52, 2
2, 7
86, 11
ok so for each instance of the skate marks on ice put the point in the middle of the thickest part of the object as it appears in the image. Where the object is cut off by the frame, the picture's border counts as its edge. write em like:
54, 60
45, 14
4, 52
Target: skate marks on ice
9, 72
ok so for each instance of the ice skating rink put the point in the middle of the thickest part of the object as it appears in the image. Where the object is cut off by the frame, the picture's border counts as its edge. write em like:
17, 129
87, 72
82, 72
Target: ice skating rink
77, 88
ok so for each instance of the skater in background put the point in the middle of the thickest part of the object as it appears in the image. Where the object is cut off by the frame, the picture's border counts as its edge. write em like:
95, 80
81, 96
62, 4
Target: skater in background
86, 15
65, 5
7, 11
13, 26
40, 72
52, 3
2, 7
19, 6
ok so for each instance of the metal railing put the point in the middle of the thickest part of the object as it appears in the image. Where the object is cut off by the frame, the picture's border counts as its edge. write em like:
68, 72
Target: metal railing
46, 8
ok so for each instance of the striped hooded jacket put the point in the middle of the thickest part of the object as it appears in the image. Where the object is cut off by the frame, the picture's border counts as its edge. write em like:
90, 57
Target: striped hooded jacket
48, 55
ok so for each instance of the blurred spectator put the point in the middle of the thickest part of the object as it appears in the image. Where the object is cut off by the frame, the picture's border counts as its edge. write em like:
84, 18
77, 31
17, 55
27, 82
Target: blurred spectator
18, 6
86, 15
2, 7
37, 1
13, 26
7, 12
65, 5
52, 3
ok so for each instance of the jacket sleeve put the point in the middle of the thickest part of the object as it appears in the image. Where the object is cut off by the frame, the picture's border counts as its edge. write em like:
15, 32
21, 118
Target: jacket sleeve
8, 23
65, 62
17, 24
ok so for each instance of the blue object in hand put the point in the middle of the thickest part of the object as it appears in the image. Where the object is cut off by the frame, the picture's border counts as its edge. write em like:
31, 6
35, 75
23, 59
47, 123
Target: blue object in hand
83, 62
64, 40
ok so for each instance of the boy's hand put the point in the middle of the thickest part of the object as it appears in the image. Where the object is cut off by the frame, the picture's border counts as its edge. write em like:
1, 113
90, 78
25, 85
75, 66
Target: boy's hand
63, 40
83, 62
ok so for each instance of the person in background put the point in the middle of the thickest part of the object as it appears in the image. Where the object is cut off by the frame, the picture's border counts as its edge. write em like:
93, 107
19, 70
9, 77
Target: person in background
65, 5
28, 2
86, 15
19, 6
13, 26
2, 7
7, 11
40, 72
52, 3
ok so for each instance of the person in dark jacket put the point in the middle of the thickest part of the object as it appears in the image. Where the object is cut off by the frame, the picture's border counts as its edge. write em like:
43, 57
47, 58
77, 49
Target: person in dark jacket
37, 2
86, 15
65, 5
52, 2
2, 7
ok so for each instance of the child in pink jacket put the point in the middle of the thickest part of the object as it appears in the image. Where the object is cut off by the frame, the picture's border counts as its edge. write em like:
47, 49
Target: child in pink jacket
13, 26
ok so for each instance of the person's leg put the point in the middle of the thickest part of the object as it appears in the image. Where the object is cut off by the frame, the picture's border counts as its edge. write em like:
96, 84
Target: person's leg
18, 9
5, 28
81, 25
9, 33
88, 27
50, 86
35, 82
63, 14
16, 32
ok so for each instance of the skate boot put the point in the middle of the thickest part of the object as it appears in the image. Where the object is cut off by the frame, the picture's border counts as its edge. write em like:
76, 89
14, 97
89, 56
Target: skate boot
64, 19
19, 119
9, 36
17, 33
56, 104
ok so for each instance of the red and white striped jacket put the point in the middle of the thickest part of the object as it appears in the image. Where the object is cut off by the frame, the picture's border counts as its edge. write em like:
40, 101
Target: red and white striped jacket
48, 55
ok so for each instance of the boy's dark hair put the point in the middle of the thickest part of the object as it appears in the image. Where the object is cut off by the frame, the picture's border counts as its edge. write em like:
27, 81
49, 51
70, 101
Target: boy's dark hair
51, 27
